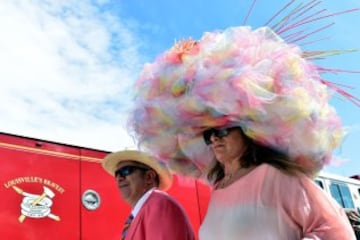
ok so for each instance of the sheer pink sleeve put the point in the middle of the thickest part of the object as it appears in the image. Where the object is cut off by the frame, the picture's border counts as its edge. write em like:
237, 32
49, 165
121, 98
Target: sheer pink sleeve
304, 204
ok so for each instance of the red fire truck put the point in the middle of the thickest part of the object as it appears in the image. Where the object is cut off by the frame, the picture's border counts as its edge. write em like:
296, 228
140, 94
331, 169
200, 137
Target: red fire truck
78, 199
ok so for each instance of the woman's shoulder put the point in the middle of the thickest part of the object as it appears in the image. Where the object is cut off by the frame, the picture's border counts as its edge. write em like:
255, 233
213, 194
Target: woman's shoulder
278, 175
267, 168
271, 169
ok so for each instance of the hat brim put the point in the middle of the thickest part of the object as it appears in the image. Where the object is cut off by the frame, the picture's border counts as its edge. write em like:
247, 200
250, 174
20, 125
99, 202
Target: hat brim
111, 161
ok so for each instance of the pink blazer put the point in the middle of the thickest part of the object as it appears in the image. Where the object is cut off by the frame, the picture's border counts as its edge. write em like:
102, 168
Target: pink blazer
160, 218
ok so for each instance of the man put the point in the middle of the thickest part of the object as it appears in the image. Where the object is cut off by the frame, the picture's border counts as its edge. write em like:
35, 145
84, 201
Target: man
141, 181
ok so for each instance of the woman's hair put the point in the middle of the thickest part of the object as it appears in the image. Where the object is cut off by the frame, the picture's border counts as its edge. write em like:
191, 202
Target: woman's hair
256, 154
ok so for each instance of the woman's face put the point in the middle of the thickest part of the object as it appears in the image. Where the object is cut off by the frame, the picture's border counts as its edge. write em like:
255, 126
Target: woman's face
229, 147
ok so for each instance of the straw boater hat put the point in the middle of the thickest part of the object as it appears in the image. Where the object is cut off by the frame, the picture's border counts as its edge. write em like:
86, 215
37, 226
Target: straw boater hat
257, 79
111, 161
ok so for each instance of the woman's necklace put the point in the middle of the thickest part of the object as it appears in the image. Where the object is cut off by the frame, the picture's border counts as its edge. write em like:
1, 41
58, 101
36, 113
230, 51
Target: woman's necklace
230, 178
226, 180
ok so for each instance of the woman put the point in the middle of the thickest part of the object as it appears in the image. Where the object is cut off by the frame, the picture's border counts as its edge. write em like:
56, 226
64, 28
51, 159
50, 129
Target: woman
261, 80
260, 194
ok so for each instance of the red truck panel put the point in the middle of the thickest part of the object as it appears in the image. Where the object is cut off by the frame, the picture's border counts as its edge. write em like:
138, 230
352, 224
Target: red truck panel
28, 172
107, 220
56, 177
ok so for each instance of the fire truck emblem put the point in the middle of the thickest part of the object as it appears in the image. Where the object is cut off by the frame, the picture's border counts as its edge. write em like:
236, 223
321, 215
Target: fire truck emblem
36, 205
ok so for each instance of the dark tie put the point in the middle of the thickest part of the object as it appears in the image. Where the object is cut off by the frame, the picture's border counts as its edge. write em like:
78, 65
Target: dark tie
126, 226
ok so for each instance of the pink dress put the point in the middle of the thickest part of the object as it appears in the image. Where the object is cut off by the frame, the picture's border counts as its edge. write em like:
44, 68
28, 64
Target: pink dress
267, 204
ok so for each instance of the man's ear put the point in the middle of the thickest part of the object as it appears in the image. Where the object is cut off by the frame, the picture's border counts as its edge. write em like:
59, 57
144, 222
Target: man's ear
150, 177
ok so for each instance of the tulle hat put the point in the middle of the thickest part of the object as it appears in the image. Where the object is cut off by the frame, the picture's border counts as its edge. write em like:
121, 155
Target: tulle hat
251, 78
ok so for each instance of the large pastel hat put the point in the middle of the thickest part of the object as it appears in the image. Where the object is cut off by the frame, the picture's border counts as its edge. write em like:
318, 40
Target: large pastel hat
252, 78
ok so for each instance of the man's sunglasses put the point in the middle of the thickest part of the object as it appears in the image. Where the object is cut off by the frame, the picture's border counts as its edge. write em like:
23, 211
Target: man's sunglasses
221, 132
127, 170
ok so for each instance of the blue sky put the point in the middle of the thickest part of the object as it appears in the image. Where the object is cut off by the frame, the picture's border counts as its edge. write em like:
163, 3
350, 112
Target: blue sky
67, 67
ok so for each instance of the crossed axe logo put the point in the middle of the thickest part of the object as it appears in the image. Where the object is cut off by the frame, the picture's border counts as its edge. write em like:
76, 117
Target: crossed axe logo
35, 205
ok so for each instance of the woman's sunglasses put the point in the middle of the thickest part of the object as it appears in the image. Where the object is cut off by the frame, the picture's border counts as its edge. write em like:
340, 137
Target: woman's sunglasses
221, 132
127, 170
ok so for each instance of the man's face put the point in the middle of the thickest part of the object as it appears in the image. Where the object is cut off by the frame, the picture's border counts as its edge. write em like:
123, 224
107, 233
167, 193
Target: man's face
133, 185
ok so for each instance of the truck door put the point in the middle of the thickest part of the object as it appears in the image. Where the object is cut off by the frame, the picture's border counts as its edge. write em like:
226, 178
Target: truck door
39, 190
